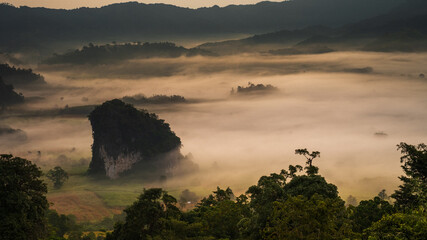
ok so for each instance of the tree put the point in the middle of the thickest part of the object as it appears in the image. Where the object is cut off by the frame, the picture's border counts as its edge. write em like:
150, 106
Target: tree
413, 192
61, 224
383, 195
58, 176
351, 201
400, 226
147, 217
310, 169
302, 218
23, 204
220, 215
368, 212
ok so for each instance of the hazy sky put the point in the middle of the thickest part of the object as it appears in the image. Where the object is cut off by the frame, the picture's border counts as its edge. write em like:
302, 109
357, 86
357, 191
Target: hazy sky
70, 4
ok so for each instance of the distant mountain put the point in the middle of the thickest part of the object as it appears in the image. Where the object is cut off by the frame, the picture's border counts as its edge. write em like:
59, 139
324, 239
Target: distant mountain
403, 28
266, 42
111, 53
26, 28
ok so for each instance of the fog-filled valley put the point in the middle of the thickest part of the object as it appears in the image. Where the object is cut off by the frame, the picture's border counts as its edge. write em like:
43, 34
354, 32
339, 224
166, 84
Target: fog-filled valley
131, 131
327, 102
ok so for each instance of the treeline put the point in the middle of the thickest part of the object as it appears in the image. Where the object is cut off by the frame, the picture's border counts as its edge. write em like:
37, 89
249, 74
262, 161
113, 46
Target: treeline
254, 89
20, 77
111, 53
287, 205
155, 99
8, 96
297, 203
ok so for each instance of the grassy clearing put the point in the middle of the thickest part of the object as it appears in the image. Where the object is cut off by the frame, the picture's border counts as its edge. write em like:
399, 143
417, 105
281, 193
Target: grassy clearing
91, 199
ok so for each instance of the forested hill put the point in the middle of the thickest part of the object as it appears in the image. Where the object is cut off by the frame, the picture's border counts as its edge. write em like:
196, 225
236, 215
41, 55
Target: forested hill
401, 29
110, 53
25, 27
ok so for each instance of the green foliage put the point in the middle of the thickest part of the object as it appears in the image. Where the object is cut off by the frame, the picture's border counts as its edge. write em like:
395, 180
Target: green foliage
413, 192
219, 208
400, 226
61, 224
301, 218
307, 186
23, 203
368, 212
283, 205
147, 217
58, 176
276, 188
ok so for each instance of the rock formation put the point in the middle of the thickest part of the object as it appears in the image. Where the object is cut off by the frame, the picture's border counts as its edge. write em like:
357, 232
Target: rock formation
125, 138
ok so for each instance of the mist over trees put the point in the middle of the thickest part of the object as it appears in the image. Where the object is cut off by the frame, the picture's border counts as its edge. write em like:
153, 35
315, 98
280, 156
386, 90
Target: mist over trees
20, 77
292, 204
254, 89
155, 99
285, 205
112, 53
58, 176
8, 96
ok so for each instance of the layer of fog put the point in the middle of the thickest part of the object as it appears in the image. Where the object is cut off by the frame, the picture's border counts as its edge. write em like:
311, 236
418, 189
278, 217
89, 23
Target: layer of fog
354, 119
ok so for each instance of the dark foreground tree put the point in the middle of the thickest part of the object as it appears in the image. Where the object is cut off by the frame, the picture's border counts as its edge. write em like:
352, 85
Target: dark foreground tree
368, 212
58, 176
147, 217
23, 204
413, 192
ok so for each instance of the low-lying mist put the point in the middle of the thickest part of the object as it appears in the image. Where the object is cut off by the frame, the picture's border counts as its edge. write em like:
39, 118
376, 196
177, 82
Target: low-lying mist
353, 107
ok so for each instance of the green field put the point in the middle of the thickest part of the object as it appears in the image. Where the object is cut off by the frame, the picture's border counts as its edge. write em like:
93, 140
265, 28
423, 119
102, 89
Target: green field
91, 199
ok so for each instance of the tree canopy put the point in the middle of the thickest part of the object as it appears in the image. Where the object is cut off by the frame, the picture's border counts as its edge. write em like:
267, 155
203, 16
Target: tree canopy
58, 176
23, 204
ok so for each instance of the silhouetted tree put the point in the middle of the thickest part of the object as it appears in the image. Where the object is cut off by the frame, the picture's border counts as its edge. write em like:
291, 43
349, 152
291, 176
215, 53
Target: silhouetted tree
413, 192
310, 169
23, 204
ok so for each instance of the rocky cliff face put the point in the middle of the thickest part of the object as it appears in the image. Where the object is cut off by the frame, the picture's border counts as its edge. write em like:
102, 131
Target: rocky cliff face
125, 138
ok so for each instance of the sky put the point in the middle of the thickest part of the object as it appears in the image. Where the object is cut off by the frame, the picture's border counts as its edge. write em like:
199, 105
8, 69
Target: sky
71, 4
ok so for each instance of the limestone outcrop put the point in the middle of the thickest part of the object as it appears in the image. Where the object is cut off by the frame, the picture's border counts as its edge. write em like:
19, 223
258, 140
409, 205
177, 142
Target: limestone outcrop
125, 138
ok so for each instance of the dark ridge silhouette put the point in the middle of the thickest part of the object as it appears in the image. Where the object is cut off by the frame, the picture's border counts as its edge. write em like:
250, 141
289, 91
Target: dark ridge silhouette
111, 53
20, 77
403, 28
38, 29
12, 135
8, 96
264, 42
155, 99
